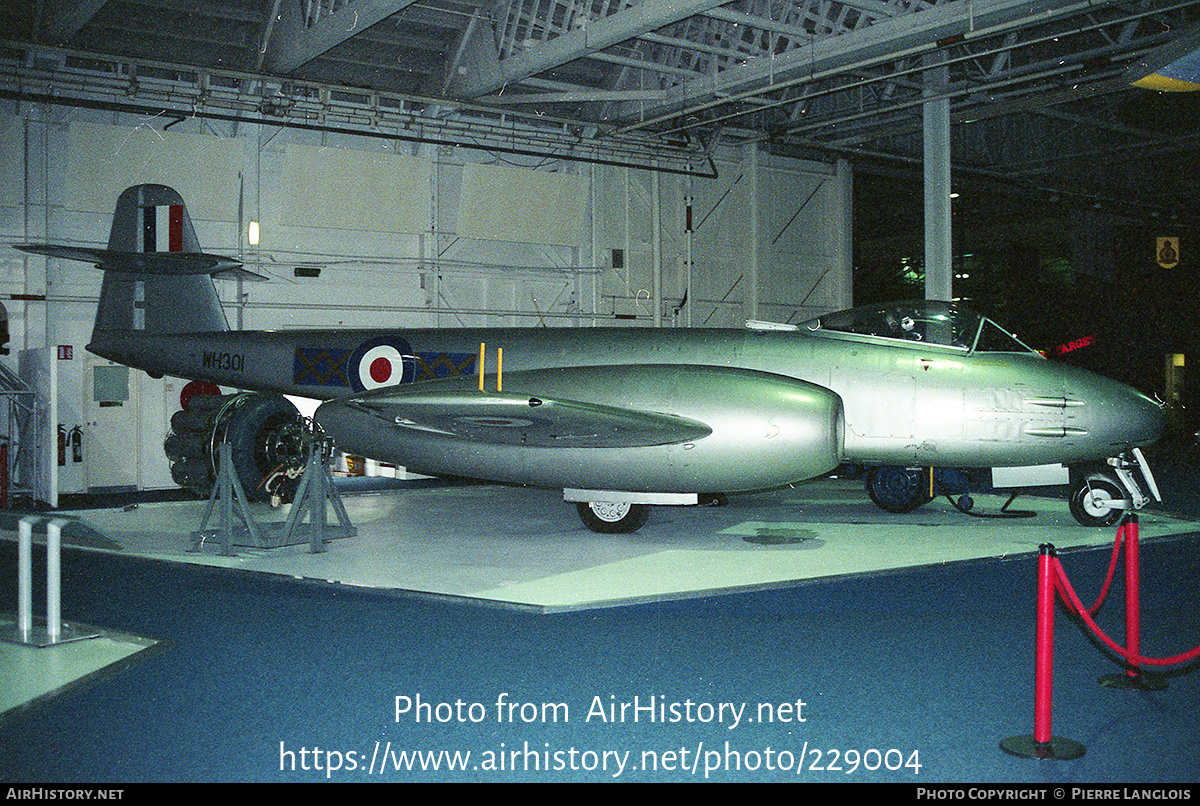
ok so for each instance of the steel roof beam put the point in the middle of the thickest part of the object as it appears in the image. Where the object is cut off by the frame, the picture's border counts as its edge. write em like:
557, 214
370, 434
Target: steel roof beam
65, 19
295, 43
595, 35
907, 35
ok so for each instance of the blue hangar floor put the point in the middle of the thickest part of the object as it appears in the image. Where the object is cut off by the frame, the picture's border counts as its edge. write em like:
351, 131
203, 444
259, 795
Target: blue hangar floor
506, 555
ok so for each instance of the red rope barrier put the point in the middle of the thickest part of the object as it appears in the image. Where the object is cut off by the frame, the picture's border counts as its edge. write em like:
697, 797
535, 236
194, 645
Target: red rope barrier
1052, 580
1072, 600
1112, 567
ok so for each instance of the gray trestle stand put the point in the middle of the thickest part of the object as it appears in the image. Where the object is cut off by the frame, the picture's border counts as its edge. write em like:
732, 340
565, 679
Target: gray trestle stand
315, 491
232, 496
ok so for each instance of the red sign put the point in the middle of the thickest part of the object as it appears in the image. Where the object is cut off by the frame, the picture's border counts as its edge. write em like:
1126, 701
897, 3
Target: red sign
1086, 341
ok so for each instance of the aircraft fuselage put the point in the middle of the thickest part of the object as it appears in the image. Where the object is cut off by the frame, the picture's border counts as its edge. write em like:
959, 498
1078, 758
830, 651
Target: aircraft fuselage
905, 403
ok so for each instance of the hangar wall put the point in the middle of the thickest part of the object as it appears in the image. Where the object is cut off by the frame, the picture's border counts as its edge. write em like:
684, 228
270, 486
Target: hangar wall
405, 235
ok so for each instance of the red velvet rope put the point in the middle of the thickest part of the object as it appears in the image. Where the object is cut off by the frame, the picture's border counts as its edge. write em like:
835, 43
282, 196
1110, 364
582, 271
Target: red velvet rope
1072, 600
1112, 567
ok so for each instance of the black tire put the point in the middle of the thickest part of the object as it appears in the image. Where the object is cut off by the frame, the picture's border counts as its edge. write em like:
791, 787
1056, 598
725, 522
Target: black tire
265, 432
1090, 498
613, 518
898, 489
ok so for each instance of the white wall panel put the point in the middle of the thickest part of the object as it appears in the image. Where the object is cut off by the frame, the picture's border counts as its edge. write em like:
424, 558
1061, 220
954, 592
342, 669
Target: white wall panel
103, 160
344, 188
506, 203
12, 161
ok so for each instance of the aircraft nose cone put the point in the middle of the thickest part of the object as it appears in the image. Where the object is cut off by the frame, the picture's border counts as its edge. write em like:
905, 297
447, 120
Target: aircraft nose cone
1146, 420
1122, 416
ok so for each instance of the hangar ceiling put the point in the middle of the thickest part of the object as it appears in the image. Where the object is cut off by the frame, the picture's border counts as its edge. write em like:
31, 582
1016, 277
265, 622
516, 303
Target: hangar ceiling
1039, 89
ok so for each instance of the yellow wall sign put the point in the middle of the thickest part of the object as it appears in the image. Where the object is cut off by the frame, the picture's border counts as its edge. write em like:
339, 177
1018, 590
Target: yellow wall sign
1167, 252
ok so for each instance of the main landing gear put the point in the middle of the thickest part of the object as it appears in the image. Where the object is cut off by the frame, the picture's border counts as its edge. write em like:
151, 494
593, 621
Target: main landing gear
899, 489
620, 517
610, 512
1099, 493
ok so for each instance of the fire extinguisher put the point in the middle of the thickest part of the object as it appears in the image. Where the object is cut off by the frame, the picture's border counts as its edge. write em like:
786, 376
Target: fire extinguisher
62, 445
76, 444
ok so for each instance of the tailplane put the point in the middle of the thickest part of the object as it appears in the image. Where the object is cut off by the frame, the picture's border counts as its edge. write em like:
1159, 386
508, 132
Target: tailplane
156, 279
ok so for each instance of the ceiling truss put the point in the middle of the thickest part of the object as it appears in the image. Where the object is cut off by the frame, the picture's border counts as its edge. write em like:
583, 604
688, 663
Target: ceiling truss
814, 78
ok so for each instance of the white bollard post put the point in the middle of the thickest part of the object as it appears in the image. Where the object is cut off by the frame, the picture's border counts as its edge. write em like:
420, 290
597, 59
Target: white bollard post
25, 577
54, 579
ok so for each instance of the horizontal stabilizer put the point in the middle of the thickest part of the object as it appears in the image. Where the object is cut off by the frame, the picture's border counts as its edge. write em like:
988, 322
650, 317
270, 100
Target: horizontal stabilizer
506, 419
179, 263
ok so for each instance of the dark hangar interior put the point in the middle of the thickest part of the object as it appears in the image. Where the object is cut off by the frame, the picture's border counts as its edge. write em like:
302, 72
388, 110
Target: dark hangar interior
662, 164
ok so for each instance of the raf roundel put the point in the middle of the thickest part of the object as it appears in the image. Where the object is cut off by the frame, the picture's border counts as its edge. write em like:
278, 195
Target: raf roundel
381, 362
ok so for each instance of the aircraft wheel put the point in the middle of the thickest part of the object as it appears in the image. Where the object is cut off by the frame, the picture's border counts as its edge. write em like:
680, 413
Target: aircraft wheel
265, 432
613, 518
897, 489
1092, 498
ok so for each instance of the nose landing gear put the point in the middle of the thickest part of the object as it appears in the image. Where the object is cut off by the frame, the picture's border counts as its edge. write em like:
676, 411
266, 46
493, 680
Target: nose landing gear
1100, 495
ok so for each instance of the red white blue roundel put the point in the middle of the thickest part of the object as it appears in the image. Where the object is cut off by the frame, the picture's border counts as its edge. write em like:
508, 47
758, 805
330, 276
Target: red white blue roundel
384, 361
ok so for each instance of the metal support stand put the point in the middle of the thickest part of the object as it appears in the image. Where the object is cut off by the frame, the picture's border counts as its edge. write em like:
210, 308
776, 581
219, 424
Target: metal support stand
54, 630
232, 496
315, 490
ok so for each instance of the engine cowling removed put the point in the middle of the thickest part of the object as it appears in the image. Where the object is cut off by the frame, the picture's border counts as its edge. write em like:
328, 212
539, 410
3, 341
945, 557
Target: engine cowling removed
266, 435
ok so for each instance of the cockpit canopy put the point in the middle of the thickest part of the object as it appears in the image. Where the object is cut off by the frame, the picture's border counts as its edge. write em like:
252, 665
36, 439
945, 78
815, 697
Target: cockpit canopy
949, 324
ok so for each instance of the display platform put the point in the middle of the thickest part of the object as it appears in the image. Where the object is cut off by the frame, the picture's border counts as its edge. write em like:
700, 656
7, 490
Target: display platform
525, 548
32, 674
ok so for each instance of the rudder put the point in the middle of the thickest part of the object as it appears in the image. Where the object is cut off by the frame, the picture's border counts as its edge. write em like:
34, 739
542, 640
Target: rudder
165, 293
152, 218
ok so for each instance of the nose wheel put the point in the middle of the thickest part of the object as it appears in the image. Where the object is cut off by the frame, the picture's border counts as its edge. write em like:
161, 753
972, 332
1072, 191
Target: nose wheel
1100, 495
1097, 500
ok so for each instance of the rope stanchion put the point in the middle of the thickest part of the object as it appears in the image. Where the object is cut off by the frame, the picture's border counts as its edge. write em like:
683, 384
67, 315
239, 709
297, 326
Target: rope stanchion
1052, 579
1133, 678
1042, 744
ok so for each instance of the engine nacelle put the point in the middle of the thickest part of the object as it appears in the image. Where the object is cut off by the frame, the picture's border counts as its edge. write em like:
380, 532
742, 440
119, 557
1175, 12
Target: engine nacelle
723, 429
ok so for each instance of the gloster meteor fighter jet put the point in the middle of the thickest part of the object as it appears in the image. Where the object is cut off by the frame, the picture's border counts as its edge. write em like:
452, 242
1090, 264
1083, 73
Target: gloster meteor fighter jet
619, 418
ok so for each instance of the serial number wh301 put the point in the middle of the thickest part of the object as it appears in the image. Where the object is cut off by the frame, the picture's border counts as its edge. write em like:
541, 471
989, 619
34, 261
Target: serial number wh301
230, 361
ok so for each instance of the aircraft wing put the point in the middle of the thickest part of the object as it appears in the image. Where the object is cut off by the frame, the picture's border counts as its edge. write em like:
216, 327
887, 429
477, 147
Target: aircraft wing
516, 419
147, 262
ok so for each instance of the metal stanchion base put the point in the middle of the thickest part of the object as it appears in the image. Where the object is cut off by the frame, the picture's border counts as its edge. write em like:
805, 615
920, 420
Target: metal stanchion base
1057, 748
1138, 682
39, 636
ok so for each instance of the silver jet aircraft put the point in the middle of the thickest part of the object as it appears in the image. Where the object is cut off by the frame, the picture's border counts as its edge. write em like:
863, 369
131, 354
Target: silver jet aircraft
619, 418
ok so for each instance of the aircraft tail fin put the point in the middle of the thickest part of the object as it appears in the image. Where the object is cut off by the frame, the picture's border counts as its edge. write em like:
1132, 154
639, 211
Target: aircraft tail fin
156, 279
